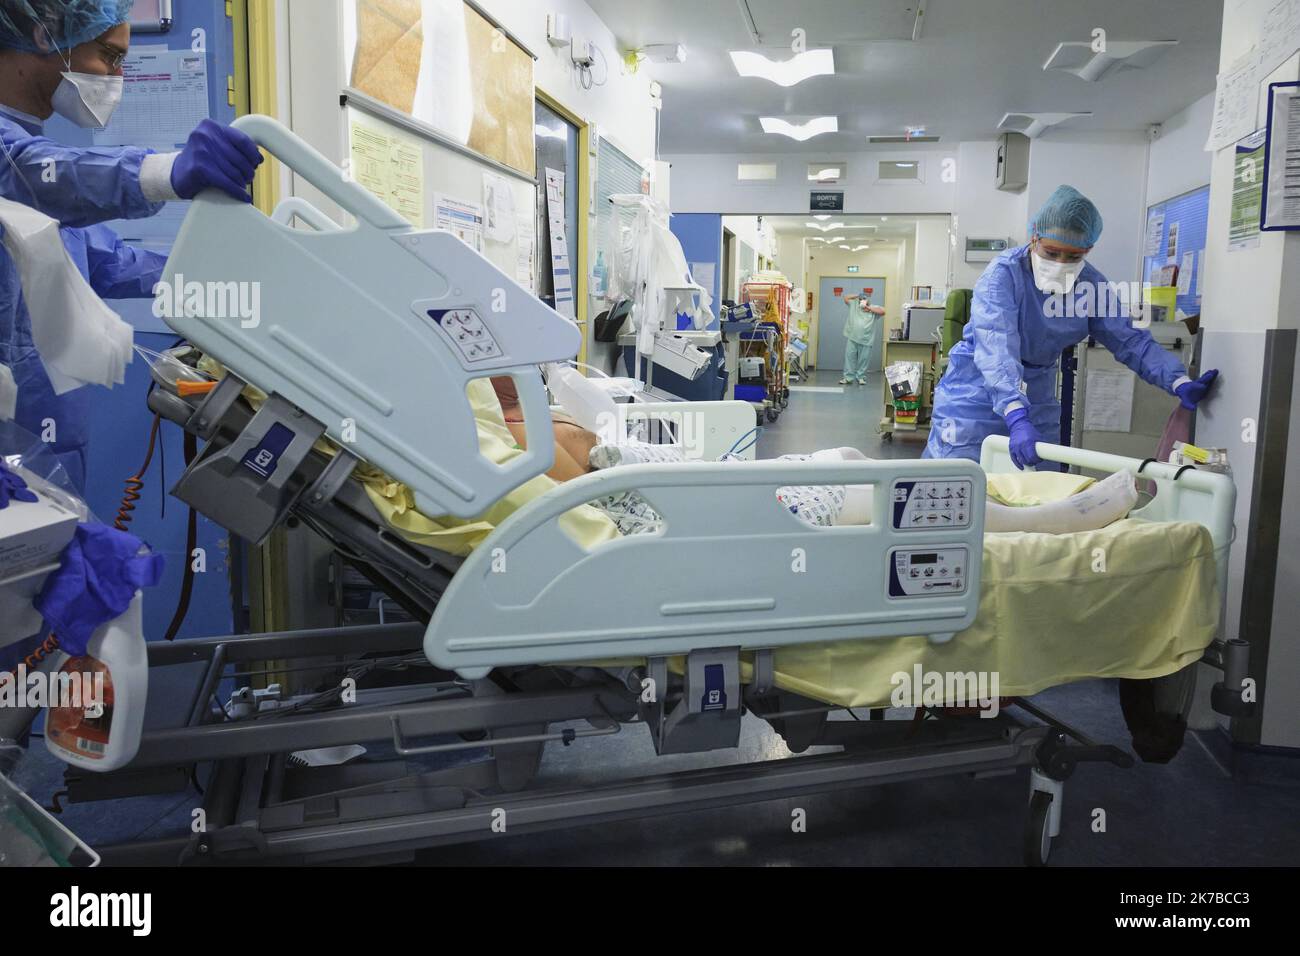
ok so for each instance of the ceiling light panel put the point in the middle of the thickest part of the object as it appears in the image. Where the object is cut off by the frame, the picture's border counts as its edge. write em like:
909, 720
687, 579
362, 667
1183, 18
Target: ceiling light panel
788, 72
800, 131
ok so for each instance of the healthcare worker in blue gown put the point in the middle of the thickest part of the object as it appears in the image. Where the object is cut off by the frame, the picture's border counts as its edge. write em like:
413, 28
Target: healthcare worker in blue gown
1031, 303
66, 56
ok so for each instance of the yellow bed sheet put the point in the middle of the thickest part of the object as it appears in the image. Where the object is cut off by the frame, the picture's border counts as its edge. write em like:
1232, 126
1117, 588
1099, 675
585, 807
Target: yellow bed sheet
1136, 599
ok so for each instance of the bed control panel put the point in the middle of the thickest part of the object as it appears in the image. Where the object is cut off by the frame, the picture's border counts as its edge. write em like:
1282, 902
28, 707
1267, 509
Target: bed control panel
926, 572
932, 505
468, 334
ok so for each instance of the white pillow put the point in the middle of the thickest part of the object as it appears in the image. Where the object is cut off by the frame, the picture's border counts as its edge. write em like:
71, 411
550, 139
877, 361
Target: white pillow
1095, 507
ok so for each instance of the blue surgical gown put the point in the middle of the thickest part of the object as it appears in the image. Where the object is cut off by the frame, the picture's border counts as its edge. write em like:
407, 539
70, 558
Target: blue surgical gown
1012, 339
81, 187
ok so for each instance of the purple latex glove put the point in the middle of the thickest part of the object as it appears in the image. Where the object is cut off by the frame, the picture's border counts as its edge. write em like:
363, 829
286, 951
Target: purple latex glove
216, 157
13, 487
1193, 393
101, 570
1024, 436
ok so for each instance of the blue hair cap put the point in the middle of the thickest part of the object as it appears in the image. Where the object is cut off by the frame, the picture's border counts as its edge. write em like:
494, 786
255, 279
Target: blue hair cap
1068, 216
42, 26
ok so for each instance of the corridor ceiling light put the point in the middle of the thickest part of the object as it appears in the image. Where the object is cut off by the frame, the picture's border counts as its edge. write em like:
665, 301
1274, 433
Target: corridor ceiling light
858, 248
826, 228
826, 173
822, 216
800, 131
846, 248
1080, 59
1033, 124
798, 68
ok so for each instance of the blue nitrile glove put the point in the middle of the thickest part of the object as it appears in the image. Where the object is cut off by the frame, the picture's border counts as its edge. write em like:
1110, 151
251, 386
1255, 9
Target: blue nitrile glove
216, 156
12, 486
1023, 438
101, 570
1193, 393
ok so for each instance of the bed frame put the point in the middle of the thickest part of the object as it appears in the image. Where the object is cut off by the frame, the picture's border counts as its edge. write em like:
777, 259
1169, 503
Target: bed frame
492, 626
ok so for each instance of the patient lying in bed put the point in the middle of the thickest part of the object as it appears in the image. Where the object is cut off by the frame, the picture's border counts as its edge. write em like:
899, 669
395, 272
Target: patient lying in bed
1047, 615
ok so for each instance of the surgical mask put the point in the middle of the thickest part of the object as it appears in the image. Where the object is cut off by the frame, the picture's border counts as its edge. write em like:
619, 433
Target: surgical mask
1055, 278
87, 99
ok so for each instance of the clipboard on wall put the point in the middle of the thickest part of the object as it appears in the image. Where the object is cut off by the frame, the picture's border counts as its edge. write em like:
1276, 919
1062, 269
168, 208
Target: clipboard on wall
1280, 202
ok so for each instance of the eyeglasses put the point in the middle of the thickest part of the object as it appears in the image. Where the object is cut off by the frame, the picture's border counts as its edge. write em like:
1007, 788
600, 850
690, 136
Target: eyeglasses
112, 56
1055, 255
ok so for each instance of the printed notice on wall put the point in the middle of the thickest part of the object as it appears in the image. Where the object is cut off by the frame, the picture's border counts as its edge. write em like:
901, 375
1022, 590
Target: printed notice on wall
463, 219
1280, 36
1155, 233
498, 207
165, 95
1247, 192
526, 251
1282, 167
1185, 273
1108, 405
391, 167
561, 272
1236, 102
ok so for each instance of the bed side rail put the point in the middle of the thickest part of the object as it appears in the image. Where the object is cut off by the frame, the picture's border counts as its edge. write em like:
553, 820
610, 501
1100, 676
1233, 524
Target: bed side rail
1182, 493
372, 331
732, 567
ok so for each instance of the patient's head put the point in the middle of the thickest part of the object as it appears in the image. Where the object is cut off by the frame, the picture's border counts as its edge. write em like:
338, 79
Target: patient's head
507, 391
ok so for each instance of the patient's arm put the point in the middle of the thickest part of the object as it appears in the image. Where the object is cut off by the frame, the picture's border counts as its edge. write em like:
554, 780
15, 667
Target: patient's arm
570, 458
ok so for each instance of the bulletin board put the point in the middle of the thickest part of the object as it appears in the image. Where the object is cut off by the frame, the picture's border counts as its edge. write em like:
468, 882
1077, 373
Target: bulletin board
438, 186
461, 74
1186, 217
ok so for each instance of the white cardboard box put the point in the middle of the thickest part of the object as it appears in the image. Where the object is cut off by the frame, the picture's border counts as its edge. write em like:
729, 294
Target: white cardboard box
33, 534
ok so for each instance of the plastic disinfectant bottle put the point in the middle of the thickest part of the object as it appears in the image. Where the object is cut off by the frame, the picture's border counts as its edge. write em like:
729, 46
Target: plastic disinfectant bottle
98, 725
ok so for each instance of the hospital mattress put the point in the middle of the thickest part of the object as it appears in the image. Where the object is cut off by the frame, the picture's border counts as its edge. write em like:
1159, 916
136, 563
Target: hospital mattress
1136, 599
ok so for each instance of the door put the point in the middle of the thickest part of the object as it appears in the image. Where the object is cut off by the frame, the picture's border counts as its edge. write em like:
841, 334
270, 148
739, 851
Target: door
831, 313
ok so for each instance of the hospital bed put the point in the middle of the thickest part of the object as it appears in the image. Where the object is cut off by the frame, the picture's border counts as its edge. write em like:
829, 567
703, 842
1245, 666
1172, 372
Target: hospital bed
367, 339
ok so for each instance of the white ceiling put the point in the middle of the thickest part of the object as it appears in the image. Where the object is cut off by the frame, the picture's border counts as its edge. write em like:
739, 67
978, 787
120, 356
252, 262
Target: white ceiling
874, 230
975, 61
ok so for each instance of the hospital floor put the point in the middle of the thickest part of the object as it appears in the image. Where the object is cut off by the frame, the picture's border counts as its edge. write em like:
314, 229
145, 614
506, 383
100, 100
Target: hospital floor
1208, 807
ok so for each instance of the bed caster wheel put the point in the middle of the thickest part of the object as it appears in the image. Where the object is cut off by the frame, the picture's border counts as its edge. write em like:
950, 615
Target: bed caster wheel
758, 416
887, 436
1038, 836
773, 414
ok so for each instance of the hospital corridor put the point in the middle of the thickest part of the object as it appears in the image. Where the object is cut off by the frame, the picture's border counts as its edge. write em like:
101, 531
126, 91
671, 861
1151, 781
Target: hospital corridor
710, 435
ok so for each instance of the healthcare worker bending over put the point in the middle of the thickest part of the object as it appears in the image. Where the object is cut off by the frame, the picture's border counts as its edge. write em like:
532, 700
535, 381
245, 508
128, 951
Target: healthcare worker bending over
1031, 303
66, 56
859, 337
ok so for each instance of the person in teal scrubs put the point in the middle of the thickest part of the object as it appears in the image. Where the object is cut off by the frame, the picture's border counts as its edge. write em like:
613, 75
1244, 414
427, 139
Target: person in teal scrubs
859, 337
